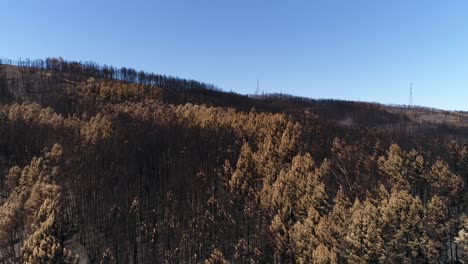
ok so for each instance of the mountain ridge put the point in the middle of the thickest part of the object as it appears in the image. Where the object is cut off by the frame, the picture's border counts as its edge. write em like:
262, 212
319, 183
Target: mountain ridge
349, 113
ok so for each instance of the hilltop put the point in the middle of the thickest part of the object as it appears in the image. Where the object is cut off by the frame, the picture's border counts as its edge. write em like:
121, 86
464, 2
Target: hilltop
43, 82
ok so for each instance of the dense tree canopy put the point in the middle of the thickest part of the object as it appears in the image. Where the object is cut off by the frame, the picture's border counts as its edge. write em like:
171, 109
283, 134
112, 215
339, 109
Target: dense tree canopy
118, 166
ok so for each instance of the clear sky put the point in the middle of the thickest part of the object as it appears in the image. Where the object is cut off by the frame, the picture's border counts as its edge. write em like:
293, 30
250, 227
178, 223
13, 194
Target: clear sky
350, 49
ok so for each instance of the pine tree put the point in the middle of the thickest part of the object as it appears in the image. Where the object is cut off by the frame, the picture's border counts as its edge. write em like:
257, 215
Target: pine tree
289, 139
42, 246
445, 183
394, 168
402, 228
328, 249
363, 237
416, 173
303, 237
462, 239
296, 192
340, 218
243, 179
312, 187
280, 234
436, 229
322, 255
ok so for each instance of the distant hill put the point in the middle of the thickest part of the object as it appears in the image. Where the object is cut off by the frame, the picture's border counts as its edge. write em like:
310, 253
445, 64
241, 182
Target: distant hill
44, 81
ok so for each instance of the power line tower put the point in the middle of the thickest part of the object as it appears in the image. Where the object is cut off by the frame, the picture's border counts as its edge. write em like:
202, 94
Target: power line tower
411, 95
258, 88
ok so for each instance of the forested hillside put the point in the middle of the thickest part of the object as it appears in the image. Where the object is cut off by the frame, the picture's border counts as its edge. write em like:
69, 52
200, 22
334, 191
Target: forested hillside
107, 165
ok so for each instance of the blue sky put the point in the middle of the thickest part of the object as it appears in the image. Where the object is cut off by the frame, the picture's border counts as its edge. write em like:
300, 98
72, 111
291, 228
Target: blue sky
350, 49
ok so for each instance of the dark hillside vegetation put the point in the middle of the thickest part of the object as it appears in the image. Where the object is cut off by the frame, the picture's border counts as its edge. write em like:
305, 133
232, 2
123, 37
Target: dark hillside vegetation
106, 165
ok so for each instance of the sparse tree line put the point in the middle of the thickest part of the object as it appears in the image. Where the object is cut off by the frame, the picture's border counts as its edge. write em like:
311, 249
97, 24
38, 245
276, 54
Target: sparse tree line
92, 69
117, 174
